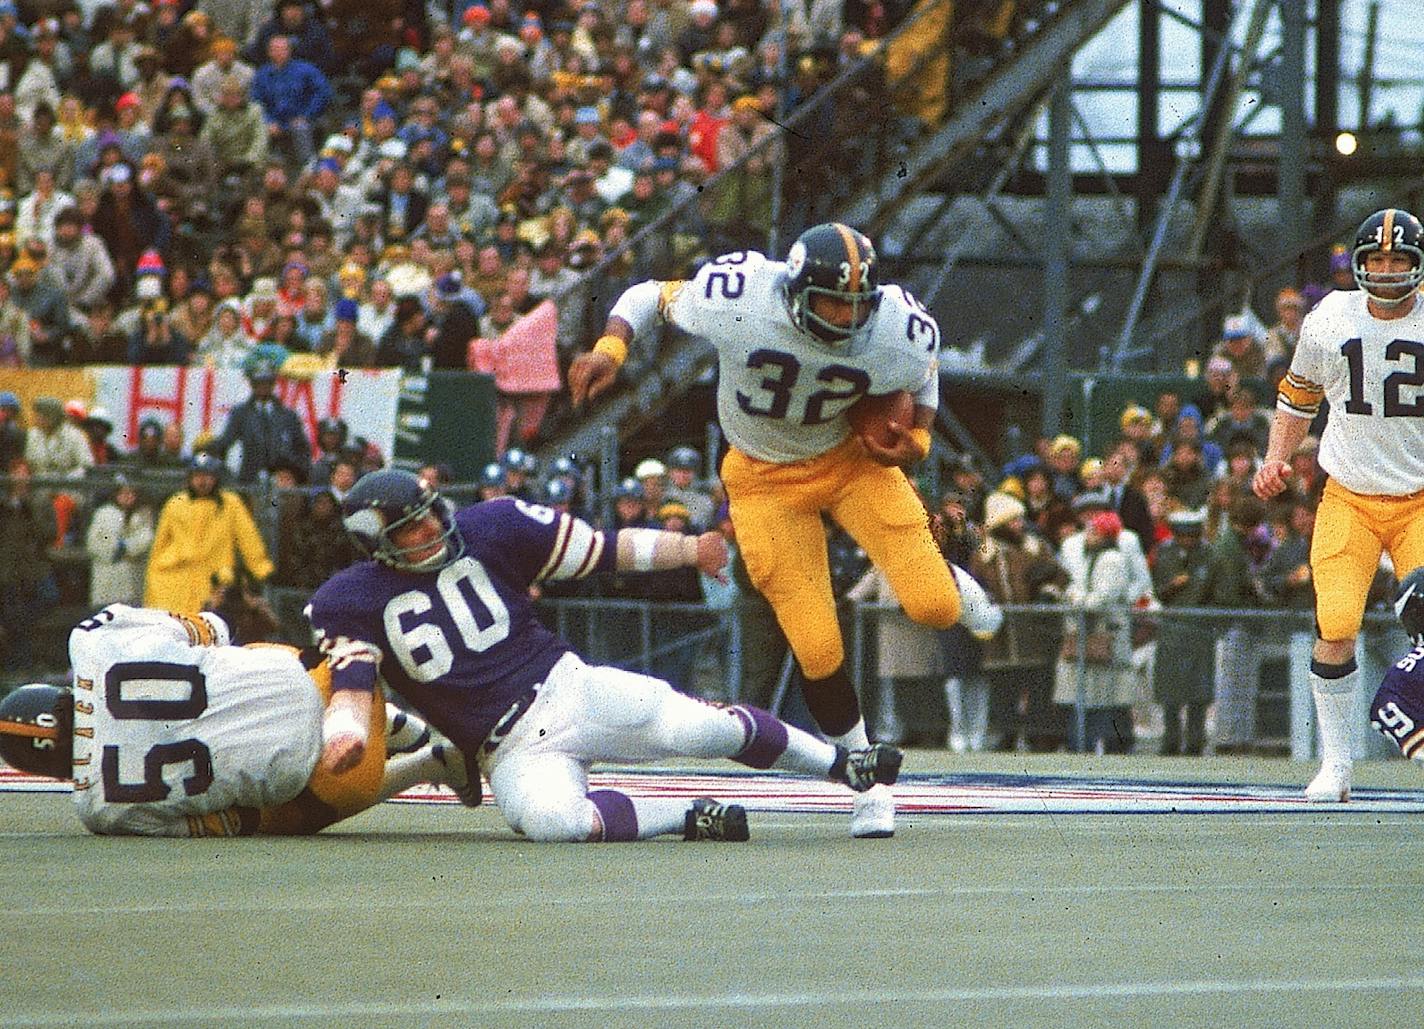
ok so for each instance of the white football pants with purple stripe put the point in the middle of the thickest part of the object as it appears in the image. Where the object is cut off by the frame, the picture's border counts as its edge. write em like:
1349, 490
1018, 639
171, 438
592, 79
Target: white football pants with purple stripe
585, 713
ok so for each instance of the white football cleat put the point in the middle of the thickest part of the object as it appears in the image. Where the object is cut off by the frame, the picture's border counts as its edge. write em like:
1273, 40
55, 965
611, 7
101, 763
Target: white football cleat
873, 814
1331, 784
977, 613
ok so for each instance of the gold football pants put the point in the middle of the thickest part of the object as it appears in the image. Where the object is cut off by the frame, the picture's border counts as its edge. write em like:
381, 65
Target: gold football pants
776, 513
1351, 531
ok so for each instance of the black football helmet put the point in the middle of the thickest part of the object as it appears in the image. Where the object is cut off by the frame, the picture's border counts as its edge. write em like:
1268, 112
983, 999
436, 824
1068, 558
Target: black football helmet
37, 730
836, 261
1391, 230
383, 501
1409, 605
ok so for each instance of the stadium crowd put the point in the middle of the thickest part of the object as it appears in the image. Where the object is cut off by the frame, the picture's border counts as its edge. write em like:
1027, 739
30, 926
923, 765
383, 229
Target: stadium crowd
299, 187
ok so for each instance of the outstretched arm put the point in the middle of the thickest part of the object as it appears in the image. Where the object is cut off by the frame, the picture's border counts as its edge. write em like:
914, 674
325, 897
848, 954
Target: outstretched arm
655, 550
634, 315
594, 371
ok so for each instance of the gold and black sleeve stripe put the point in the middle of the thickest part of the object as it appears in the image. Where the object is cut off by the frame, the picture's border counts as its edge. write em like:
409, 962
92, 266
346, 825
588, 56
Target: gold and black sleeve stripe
1300, 396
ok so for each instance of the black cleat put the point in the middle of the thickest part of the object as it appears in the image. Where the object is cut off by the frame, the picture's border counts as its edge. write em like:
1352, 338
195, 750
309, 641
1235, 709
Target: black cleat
708, 820
876, 765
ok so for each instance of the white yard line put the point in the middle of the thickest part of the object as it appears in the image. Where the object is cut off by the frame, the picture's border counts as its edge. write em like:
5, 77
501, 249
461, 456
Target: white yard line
731, 1002
505, 900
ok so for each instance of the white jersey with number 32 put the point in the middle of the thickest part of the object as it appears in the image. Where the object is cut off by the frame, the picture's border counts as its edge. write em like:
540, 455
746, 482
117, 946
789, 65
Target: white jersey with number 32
1372, 373
166, 728
782, 394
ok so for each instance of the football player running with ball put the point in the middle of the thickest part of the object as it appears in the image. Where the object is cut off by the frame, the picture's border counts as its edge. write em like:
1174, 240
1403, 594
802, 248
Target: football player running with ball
168, 731
442, 613
1363, 352
798, 343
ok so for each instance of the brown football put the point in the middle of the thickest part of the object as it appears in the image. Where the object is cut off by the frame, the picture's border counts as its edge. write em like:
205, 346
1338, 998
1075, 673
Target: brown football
871, 415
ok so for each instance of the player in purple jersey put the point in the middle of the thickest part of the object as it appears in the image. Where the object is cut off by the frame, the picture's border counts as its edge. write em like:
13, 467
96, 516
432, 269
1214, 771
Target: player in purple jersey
442, 613
1398, 708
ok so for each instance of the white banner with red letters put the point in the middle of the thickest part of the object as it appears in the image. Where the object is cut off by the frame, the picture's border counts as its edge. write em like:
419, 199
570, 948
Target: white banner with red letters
202, 397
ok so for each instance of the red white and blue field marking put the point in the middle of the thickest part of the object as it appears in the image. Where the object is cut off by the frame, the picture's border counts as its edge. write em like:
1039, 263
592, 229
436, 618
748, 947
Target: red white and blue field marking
967, 793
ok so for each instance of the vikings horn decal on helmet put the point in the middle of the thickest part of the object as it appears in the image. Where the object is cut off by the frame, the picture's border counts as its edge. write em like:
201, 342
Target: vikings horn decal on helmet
1409, 605
381, 503
36, 730
836, 261
1389, 231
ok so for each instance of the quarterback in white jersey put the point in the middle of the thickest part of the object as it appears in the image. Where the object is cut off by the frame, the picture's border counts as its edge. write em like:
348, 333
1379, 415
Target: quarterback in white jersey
1363, 352
171, 732
798, 344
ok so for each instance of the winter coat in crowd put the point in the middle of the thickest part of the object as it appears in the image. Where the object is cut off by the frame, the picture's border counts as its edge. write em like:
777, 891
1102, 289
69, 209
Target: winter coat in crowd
199, 539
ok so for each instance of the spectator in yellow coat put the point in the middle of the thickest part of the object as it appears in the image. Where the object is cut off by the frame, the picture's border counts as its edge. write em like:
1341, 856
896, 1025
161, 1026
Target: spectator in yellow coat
201, 534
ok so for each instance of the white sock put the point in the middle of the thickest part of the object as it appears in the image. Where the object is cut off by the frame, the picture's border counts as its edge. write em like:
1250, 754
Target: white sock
1334, 714
658, 816
804, 753
954, 703
853, 739
405, 770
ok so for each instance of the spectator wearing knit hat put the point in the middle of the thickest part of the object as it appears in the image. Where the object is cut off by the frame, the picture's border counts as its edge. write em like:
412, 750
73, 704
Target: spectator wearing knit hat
226, 344
129, 223
44, 303
1014, 565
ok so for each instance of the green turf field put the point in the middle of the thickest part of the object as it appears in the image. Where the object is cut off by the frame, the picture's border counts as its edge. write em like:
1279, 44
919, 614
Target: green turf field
420, 915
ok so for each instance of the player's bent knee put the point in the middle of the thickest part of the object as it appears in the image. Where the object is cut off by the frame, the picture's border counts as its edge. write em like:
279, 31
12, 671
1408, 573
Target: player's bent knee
936, 610
557, 823
821, 663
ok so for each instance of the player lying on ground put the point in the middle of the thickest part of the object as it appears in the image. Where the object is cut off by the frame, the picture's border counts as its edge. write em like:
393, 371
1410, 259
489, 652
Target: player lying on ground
799, 345
168, 731
442, 613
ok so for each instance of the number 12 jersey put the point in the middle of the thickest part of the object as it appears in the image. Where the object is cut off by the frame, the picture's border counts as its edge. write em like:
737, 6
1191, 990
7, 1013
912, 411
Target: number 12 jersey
1372, 373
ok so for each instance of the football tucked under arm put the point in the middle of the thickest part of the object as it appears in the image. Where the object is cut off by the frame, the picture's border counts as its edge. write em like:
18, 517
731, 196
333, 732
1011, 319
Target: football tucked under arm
871, 415
871, 419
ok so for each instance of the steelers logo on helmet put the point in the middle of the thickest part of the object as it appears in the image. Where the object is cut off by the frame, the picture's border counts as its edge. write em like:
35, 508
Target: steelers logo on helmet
36, 730
832, 282
1390, 231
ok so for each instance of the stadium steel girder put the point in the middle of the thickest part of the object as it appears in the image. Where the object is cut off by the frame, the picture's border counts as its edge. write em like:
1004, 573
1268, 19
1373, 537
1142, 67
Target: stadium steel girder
1010, 88
993, 126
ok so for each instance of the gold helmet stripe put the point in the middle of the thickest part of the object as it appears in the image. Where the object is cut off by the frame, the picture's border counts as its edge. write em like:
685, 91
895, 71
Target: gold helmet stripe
34, 732
1387, 231
853, 250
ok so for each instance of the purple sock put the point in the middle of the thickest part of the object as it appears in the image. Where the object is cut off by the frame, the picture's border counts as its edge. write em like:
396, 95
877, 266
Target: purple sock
620, 820
766, 737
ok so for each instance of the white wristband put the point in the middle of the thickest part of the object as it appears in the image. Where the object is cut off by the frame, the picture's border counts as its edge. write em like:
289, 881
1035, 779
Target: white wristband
644, 543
